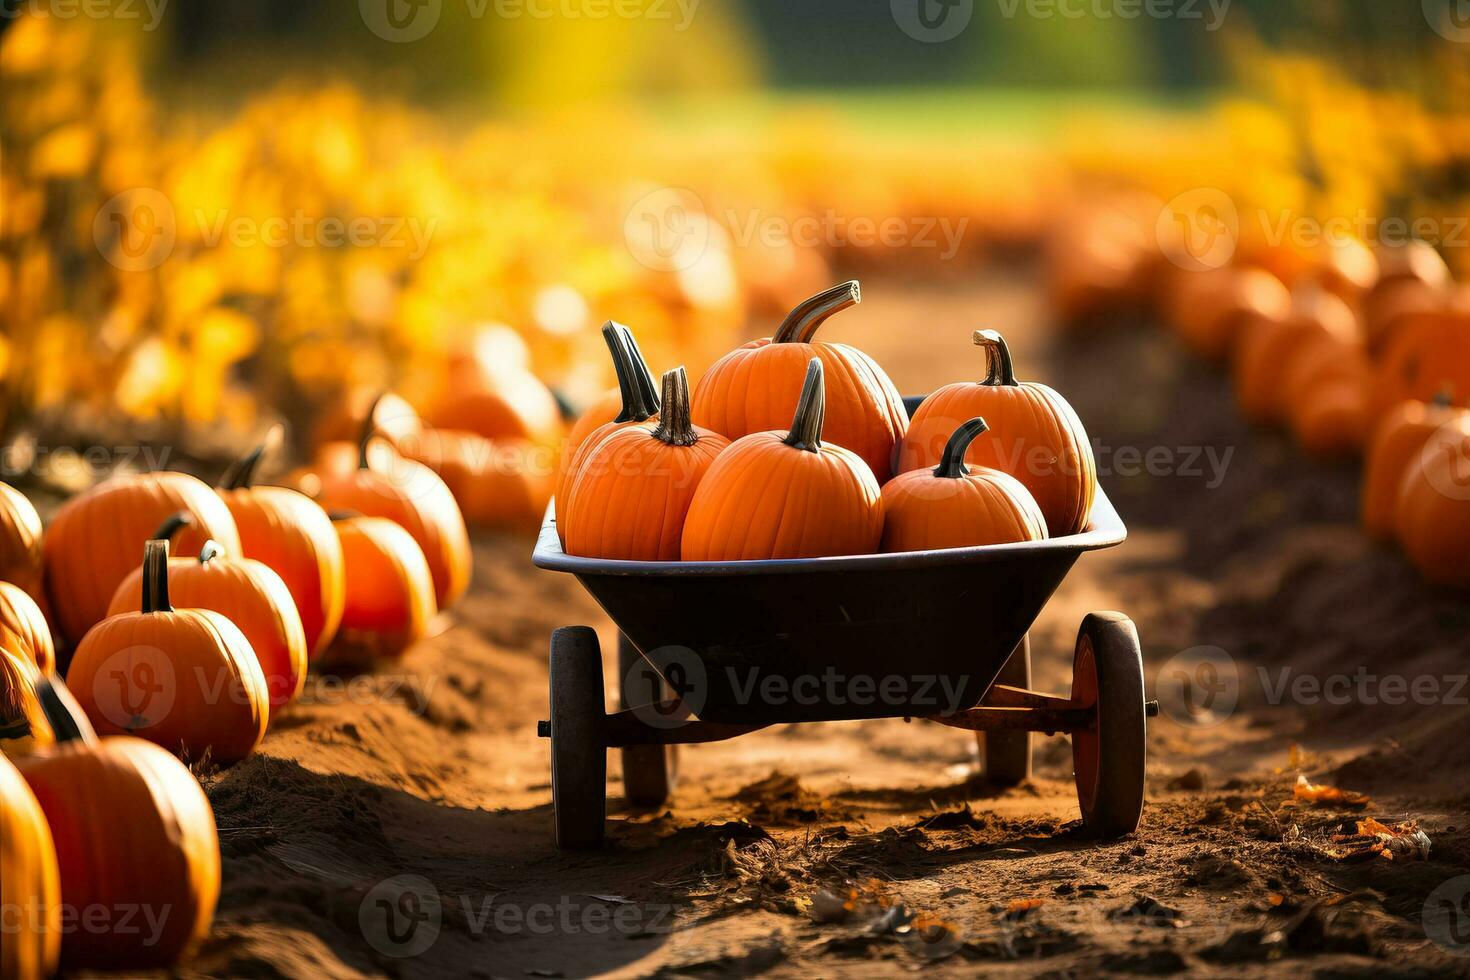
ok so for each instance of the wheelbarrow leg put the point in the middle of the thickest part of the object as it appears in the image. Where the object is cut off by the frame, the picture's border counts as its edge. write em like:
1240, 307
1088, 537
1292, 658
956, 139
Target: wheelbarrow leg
578, 738
649, 771
1007, 754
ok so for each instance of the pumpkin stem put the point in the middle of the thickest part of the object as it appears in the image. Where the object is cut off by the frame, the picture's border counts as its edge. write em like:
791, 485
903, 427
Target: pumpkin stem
952, 463
640, 401
811, 411
801, 324
155, 577
63, 714
674, 426
211, 550
999, 369
173, 526
342, 515
1444, 397
241, 474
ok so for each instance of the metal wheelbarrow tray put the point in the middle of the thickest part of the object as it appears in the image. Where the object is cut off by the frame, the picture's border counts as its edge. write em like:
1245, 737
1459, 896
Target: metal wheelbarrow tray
712, 650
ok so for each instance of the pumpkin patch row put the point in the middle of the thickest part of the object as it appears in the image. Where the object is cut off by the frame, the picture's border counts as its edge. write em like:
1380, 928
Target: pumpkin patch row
791, 447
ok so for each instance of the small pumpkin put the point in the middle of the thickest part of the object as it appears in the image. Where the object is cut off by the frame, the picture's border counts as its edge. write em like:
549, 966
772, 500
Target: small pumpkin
392, 417
20, 541
160, 850
954, 506
390, 592
30, 882
289, 532
185, 679
1332, 418
1267, 347
1398, 438
1413, 278
1036, 437
509, 403
1427, 354
786, 494
96, 537
248, 594
23, 726
498, 484
634, 486
1433, 509
639, 400
751, 389
1210, 316
23, 628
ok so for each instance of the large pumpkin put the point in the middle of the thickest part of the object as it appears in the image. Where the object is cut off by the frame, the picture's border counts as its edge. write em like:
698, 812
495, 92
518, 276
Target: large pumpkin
1036, 437
786, 494
20, 541
1267, 346
497, 483
23, 628
390, 593
248, 594
29, 882
1428, 354
96, 538
289, 532
159, 853
1397, 441
634, 487
1433, 509
954, 506
185, 679
23, 725
751, 389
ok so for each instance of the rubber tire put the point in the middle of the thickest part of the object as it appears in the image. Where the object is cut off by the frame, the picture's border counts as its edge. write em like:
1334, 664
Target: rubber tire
578, 738
650, 772
1007, 755
1109, 763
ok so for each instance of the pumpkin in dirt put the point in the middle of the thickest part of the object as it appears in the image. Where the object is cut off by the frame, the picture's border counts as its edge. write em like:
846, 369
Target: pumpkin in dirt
1346, 267
30, 882
634, 487
1331, 421
184, 679
751, 389
390, 592
23, 725
954, 506
1412, 279
1267, 347
23, 628
497, 483
385, 484
97, 536
1209, 316
1432, 515
159, 854
248, 594
291, 534
639, 403
20, 541
786, 494
1428, 354
1397, 440
1035, 437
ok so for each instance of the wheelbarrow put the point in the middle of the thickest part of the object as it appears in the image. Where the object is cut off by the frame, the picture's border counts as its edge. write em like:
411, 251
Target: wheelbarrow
713, 650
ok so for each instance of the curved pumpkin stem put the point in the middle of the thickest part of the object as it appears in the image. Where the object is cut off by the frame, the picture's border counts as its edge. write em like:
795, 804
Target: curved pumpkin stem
342, 515
640, 367
67, 720
801, 324
172, 526
952, 463
211, 550
640, 402
155, 577
241, 474
811, 411
999, 369
674, 426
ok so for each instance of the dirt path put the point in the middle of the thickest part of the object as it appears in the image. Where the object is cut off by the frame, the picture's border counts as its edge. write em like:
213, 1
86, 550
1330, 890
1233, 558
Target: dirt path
410, 814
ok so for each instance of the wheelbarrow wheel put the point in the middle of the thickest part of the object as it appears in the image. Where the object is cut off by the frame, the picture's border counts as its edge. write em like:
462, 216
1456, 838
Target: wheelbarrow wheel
649, 771
1007, 754
578, 739
1109, 757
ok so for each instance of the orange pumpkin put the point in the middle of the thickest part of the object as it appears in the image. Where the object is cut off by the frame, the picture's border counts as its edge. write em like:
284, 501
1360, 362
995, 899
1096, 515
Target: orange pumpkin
634, 487
499, 484
391, 417
23, 628
751, 389
248, 594
95, 540
786, 494
290, 533
184, 679
409, 494
953, 506
1398, 439
1036, 437
30, 882
20, 541
1412, 279
1427, 354
1267, 347
1331, 420
508, 404
390, 593
639, 402
1433, 509
1210, 315
159, 854
23, 726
